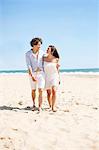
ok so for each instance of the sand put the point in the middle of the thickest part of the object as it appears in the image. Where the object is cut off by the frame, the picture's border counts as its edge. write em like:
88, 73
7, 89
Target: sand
75, 125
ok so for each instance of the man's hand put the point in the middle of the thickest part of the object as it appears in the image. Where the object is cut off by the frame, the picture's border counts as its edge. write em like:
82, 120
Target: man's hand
33, 78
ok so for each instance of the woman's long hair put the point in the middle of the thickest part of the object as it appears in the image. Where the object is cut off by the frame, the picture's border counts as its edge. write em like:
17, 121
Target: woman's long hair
54, 51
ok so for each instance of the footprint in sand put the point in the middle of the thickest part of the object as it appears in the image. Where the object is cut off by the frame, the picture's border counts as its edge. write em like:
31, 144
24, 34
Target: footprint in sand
2, 138
77, 103
20, 103
95, 108
7, 143
66, 110
62, 92
14, 129
69, 92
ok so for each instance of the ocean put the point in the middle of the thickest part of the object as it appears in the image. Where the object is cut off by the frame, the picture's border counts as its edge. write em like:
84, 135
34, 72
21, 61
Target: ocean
76, 71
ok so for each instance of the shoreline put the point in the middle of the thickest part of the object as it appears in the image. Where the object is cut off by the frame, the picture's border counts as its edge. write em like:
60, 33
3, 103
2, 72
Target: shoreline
61, 73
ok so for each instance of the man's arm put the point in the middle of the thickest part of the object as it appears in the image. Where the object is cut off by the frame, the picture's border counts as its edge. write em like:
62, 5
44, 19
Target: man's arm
30, 73
29, 67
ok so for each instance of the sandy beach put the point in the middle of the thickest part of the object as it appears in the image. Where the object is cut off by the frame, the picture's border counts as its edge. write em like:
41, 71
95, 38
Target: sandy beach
75, 125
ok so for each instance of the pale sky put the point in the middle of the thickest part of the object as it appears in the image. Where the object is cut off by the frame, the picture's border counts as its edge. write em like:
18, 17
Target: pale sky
70, 25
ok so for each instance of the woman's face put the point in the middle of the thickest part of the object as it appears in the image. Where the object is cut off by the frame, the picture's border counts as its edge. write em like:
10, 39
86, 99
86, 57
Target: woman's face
49, 50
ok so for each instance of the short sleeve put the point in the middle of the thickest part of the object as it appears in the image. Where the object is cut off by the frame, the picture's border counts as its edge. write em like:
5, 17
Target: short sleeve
28, 61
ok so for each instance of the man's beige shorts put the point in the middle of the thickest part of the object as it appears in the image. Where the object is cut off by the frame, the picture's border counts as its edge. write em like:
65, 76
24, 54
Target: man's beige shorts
40, 84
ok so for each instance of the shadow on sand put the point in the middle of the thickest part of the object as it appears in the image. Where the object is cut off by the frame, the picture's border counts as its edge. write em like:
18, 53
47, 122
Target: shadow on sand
15, 108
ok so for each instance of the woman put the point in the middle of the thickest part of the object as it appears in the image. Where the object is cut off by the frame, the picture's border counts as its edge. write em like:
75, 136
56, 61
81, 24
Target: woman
51, 69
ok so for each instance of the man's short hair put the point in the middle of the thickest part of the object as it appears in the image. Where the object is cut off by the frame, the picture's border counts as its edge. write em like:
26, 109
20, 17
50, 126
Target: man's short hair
35, 41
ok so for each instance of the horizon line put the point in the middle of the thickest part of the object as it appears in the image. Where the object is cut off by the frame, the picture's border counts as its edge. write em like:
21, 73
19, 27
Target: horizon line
59, 69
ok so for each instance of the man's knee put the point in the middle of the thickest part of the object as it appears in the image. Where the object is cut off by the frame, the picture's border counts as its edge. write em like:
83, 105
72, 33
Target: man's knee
33, 92
40, 91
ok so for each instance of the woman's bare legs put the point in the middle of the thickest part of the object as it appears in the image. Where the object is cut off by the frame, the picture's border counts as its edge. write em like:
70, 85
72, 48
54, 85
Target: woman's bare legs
49, 97
53, 98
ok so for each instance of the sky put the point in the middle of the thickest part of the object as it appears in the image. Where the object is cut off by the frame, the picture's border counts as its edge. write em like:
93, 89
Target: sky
70, 25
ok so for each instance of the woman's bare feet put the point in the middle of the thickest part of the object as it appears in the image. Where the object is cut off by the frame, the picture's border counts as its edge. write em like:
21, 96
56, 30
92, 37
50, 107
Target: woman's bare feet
34, 108
54, 110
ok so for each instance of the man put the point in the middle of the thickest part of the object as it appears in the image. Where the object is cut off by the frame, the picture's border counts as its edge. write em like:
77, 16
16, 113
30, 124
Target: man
35, 69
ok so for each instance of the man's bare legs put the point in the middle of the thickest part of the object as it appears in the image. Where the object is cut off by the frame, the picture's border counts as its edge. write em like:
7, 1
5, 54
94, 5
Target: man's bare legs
40, 98
33, 97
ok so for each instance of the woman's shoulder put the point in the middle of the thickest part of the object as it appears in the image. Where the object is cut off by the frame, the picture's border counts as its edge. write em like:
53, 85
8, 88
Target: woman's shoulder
55, 60
45, 58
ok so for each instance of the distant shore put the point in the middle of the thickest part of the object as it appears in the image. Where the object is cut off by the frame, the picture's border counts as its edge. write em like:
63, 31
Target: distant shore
77, 71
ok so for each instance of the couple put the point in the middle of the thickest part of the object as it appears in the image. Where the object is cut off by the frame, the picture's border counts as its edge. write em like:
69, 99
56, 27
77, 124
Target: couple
43, 71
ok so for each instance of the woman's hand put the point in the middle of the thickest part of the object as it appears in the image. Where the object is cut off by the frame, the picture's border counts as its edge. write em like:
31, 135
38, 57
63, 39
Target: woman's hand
57, 66
34, 79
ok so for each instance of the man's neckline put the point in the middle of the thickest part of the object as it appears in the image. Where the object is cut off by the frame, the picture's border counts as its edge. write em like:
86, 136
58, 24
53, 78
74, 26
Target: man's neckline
35, 53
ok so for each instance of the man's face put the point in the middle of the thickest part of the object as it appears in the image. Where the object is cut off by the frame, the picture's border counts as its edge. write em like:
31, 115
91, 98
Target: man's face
37, 47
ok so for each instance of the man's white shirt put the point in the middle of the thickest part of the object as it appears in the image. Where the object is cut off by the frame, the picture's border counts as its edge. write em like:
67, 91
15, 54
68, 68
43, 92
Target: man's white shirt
33, 62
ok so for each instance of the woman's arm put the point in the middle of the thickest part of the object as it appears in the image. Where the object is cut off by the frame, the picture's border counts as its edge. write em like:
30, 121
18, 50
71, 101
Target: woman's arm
57, 64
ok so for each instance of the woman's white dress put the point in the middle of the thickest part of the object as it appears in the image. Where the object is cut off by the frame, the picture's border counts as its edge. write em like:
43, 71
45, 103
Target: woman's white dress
51, 75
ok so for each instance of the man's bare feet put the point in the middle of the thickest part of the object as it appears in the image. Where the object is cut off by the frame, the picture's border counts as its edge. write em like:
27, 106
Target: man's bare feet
39, 109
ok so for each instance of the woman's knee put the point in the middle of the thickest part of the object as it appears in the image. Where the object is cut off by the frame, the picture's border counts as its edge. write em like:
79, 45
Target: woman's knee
54, 91
48, 92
